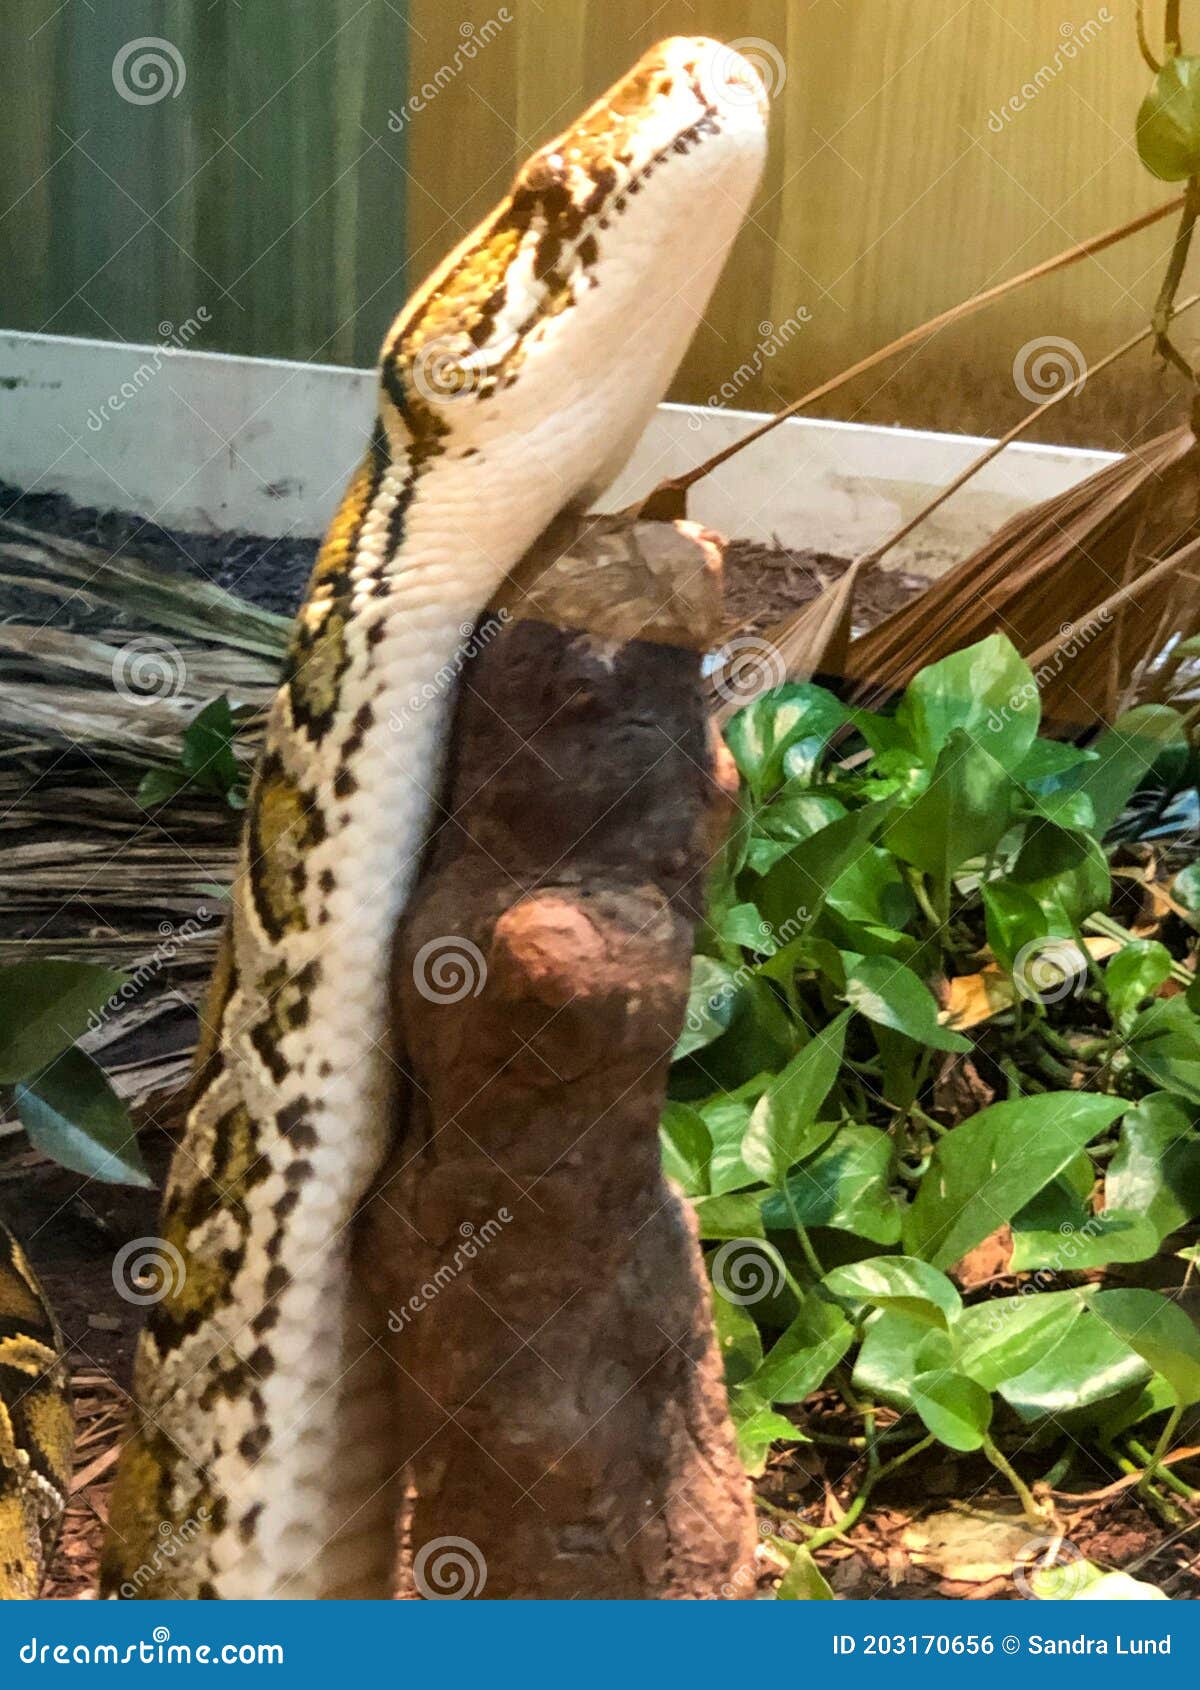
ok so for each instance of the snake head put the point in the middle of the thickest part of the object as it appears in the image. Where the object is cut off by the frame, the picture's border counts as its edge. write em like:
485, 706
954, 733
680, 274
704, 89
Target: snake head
566, 312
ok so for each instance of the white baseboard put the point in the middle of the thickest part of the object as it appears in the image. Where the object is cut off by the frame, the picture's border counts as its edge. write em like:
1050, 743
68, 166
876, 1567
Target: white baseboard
204, 441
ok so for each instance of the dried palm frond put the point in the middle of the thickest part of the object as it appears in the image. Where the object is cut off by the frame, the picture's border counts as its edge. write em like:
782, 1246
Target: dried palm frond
103, 663
1062, 581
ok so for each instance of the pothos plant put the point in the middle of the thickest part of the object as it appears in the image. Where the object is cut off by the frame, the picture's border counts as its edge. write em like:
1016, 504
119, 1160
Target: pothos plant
840, 1176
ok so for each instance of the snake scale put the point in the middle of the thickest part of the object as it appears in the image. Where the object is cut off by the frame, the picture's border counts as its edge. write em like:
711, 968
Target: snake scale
513, 386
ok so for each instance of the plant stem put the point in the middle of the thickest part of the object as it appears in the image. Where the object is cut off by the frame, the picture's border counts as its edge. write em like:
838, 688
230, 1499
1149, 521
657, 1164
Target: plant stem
1164, 1443
827, 1534
1164, 1475
1164, 305
806, 1249
1035, 1512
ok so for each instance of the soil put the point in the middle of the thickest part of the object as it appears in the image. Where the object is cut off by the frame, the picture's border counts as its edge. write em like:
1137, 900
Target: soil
763, 583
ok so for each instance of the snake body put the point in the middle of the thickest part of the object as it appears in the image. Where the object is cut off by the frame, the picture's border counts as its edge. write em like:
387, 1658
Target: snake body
37, 1434
512, 387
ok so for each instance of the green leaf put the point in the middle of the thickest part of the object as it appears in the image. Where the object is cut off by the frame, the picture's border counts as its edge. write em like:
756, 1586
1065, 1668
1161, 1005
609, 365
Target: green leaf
726, 1116
206, 754
1046, 759
902, 1283
984, 1171
1086, 1367
1056, 1231
72, 1114
897, 1349
1186, 887
892, 996
736, 1216
743, 925
965, 811
737, 1339
1164, 1042
1134, 973
784, 1127
1014, 919
792, 894
158, 786
1160, 1332
845, 1185
760, 735
1124, 756
1065, 871
872, 891
686, 1147
791, 818
1168, 121
803, 1581
1156, 1170
757, 1428
954, 1408
805, 1354
986, 692
44, 1007
1003, 1338
711, 999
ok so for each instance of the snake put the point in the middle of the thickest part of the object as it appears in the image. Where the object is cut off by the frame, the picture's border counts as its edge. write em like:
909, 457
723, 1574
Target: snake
513, 387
